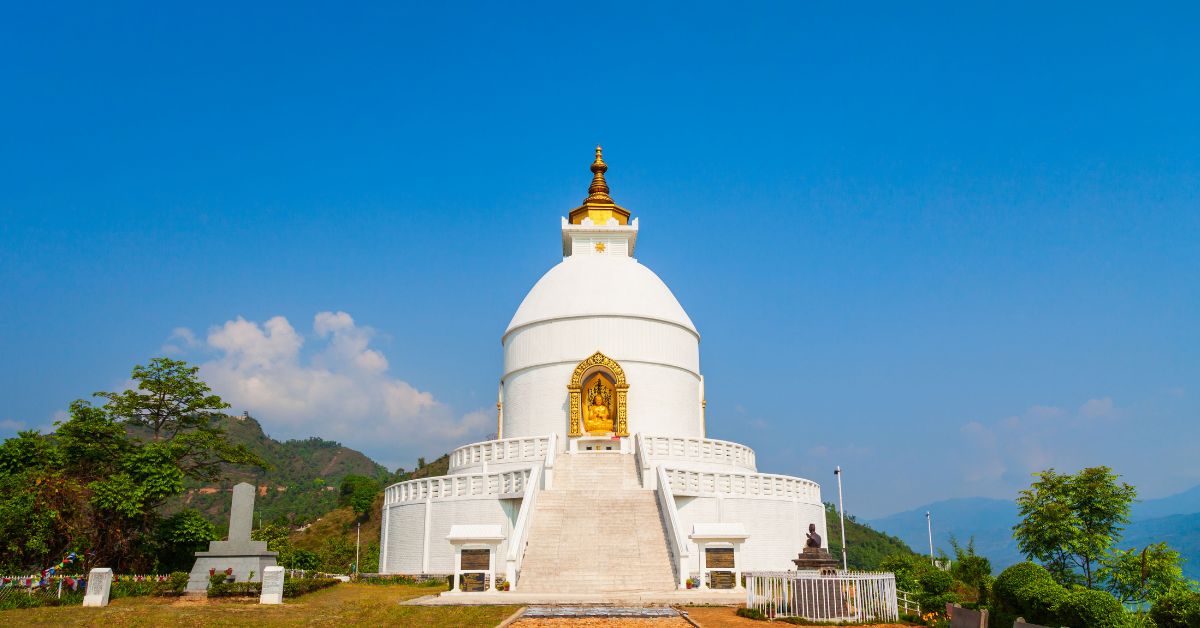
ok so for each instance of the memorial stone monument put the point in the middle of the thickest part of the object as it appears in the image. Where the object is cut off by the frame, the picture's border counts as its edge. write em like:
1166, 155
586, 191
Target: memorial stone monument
238, 552
272, 586
99, 585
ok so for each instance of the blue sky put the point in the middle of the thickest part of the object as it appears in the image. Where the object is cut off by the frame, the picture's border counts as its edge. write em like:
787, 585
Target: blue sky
941, 245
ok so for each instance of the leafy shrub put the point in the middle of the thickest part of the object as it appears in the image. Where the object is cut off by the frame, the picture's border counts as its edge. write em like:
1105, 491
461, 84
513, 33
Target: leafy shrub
1091, 608
1178, 608
1026, 590
1039, 601
173, 585
1017, 577
295, 587
751, 613
235, 589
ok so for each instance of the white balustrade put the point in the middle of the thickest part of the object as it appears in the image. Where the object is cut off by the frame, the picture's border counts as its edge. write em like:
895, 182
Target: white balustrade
526, 449
675, 535
506, 484
847, 596
708, 450
690, 483
520, 532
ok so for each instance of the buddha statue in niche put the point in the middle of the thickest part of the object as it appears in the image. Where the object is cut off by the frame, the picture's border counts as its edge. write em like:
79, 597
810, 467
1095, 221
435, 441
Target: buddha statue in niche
598, 419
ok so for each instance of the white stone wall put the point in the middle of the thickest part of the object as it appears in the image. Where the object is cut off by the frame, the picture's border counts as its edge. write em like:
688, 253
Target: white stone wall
662, 400
407, 535
776, 527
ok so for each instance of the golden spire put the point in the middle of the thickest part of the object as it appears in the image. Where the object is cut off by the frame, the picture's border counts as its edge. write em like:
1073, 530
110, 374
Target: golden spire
599, 206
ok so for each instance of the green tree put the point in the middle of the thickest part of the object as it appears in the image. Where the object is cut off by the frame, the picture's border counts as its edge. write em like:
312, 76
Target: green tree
1135, 578
1068, 522
180, 536
359, 493
96, 486
970, 568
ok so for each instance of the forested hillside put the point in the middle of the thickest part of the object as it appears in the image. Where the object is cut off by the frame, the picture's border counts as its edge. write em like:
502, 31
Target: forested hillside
299, 484
867, 547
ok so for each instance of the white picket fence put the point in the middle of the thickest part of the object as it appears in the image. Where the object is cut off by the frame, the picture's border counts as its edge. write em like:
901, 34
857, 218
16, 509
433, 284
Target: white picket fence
846, 596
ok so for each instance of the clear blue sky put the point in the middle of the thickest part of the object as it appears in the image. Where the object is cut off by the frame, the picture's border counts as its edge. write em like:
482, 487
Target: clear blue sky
942, 245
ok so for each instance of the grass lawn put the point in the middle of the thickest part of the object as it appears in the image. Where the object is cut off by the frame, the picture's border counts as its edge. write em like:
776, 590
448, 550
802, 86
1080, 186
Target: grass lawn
341, 605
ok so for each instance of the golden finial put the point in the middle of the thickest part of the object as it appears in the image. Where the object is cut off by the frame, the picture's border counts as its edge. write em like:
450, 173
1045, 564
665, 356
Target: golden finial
599, 188
599, 206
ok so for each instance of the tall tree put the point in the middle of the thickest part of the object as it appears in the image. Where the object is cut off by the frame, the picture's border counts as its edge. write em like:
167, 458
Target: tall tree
1069, 522
169, 399
98, 481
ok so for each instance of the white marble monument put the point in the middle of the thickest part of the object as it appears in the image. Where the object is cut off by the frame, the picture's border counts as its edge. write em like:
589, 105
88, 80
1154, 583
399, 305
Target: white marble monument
602, 465
272, 586
238, 552
99, 586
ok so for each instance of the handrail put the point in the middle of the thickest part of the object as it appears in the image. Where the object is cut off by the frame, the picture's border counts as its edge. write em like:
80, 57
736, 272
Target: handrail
678, 543
709, 483
517, 449
551, 456
642, 460
501, 484
695, 449
520, 531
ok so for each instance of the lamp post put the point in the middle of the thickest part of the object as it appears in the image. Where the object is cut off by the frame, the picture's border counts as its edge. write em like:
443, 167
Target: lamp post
357, 545
929, 524
841, 514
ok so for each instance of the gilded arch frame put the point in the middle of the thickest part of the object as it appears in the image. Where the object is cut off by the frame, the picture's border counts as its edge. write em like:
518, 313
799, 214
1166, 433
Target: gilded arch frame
574, 390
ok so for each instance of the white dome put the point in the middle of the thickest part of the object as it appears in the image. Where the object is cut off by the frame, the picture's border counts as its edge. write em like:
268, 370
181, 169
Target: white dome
600, 285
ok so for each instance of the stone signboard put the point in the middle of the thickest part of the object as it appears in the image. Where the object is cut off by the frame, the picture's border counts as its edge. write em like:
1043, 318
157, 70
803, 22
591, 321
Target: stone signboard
718, 557
476, 559
721, 580
473, 582
272, 586
99, 585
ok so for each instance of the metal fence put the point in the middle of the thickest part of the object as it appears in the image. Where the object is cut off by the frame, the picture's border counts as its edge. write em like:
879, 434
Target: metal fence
845, 596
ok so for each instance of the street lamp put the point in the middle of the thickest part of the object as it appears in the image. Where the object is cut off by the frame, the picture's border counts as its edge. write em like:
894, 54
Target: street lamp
929, 524
841, 513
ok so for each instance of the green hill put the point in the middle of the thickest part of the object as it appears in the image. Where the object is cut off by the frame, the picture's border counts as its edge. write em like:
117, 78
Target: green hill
866, 547
299, 485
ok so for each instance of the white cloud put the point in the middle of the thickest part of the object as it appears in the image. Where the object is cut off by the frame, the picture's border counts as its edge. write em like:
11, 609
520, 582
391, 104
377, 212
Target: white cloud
332, 385
11, 425
1098, 409
1007, 451
180, 340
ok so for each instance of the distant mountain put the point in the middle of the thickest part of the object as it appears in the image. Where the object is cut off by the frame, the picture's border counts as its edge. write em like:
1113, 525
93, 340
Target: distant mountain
1181, 532
300, 484
990, 521
1174, 519
1184, 503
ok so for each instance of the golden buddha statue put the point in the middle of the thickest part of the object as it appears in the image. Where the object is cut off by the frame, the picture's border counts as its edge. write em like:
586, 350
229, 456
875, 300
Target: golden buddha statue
597, 419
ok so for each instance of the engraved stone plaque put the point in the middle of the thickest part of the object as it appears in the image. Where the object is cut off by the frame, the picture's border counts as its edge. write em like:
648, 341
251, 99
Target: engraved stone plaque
99, 585
272, 586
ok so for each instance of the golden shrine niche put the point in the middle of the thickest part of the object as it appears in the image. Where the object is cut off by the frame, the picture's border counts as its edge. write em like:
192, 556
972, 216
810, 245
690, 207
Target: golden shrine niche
598, 393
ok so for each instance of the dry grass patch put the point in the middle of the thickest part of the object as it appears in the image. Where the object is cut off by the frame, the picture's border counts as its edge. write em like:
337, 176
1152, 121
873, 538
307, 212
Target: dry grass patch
342, 605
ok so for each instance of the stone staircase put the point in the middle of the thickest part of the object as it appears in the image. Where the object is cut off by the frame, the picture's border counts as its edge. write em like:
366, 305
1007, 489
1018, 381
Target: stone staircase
596, 531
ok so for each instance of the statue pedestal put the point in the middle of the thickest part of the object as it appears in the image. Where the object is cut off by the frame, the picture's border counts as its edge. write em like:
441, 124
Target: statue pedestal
588, 444
816, 559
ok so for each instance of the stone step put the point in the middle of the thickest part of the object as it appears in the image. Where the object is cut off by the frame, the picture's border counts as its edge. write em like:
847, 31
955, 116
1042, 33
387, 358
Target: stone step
596, 530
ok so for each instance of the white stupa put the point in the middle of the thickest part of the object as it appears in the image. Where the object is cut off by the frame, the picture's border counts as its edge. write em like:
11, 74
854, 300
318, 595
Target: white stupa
602, 478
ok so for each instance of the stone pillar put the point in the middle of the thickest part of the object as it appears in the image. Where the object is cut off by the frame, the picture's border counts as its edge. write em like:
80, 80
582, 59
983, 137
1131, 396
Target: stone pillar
241, 513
